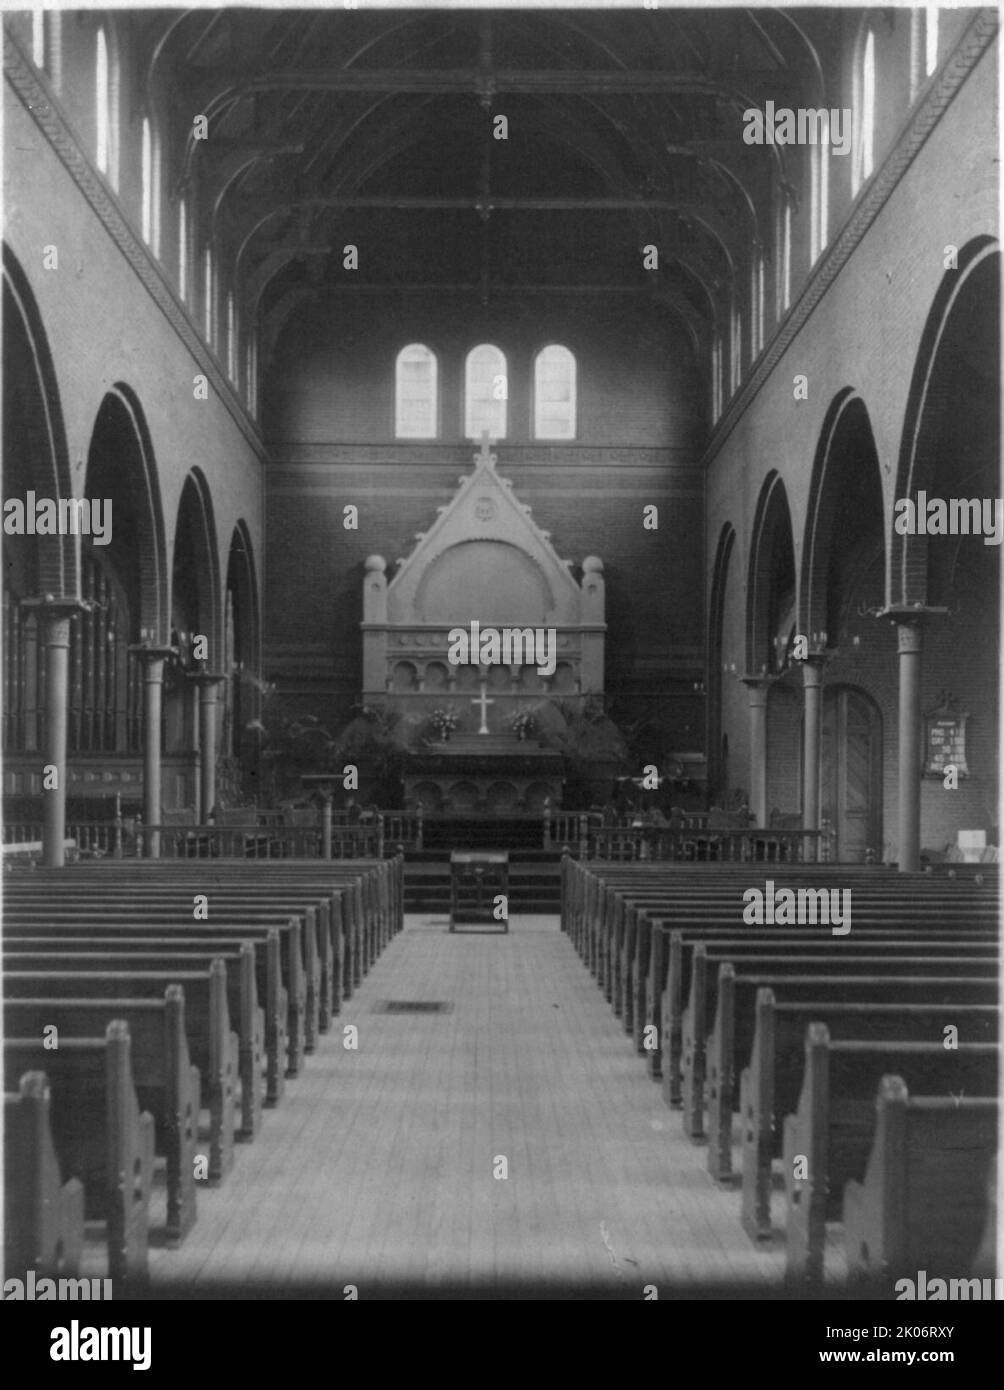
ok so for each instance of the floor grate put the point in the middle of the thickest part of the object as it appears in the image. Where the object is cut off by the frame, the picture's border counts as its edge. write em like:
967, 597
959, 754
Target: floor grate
412, 1006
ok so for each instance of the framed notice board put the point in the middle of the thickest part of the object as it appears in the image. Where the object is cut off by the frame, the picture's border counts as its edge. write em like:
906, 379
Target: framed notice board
945, 741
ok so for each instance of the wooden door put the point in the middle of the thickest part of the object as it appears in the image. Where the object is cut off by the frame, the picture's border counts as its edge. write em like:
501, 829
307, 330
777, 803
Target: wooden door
852, 773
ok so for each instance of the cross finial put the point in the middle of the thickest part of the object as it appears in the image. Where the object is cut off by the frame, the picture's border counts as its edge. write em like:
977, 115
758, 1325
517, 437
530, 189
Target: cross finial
484, 458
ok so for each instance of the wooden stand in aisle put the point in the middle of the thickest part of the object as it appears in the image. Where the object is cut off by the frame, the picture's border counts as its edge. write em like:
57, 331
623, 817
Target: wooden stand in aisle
480, 874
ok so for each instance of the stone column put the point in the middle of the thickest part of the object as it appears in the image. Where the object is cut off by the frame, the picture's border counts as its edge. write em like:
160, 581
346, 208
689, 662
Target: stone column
909, 625
757, 689
812, 677
208, 683
55, 615
152, 658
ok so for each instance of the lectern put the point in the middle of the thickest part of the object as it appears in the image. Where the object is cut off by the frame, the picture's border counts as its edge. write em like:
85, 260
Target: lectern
477, 877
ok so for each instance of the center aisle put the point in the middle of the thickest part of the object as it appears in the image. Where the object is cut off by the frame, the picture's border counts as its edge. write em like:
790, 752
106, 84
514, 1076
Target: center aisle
379, 1168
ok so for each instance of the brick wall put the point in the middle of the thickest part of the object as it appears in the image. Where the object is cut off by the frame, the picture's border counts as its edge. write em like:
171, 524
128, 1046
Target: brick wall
865, 333
330, 422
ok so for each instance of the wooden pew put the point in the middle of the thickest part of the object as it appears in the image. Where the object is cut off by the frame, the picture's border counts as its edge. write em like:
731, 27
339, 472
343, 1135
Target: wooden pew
926, 1199
327, 958
142, 939
919, 979
683, 899
297, 935
664, 975
833, 1125
885, 910
167, 1084
104, 1139
770, 1083
370, 894
43, 1215
351, 914
286, 989
213, 1047
242, 992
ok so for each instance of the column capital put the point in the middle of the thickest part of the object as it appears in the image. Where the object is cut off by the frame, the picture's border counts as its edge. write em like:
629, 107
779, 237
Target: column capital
911, 614
812, 669
206, 678
323, 782
764, 678
758, 687
151, 651
57, 605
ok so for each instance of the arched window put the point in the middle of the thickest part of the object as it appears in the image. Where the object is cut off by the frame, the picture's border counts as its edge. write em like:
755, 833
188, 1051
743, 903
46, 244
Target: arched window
756, 304
150, 219
416, 406
208, 294
930, 39
735, 363
102, 101
183, 250
554, 393
716, 379
38, 25
486, 391
819, 191
231, 337
784, 256
865, 153
251, 373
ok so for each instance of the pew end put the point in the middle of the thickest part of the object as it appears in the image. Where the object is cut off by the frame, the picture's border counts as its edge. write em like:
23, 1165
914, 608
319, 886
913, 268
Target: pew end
927, 1199
44, 1216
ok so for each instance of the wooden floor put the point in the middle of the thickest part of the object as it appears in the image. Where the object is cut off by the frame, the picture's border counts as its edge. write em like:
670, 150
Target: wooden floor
378, 1169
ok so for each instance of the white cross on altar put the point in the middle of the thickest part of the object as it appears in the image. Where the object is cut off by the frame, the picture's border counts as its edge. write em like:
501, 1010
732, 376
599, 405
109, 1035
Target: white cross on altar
484, 702
484, 458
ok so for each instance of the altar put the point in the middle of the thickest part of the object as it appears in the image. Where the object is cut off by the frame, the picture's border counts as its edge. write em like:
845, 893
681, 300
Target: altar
478, 775
477, 728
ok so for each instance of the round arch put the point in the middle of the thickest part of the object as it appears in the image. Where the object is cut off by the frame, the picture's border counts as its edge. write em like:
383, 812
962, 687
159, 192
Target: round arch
716, 617
36, 456
846, 452
196, 568
966, 297
241, 648
121, 468
771, 583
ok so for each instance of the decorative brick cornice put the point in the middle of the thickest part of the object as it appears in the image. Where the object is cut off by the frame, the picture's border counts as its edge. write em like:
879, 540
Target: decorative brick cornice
872, 199
38, 101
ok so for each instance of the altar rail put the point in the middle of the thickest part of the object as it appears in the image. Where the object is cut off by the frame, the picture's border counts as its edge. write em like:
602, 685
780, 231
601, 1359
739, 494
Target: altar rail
261, 841
271, 834
94, 839
633, 843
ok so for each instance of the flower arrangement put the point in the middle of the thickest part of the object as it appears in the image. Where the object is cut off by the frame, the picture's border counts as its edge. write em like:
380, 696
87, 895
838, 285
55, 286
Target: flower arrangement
523, 724
444, 721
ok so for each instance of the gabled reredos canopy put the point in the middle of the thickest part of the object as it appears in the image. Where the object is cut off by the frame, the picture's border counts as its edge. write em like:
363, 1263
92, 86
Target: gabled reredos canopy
485, 558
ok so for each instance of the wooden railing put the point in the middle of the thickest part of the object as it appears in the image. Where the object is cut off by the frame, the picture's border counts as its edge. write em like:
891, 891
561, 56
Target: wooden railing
635, 843
95, 838
361, 841
251, 834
